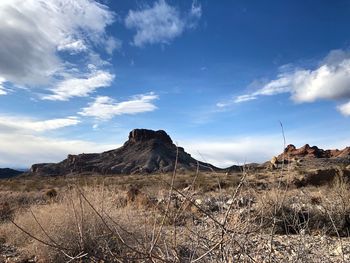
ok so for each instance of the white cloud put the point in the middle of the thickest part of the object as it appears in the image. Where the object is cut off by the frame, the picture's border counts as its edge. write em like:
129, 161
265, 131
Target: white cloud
21, 150
243, 98
2, 89
233, 151
344, 109
160, 23
227, 151
106, 108
195, 15
80, 87
29, 125
329, 81
22, 143
75, 46
33, 31
238, 99
112, 44
196, 10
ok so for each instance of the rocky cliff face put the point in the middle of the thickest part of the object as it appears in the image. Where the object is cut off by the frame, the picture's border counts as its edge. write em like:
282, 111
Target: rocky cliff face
146, 151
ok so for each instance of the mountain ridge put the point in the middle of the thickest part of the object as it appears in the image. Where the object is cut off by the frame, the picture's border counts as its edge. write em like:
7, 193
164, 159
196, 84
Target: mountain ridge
145, 151
8, 173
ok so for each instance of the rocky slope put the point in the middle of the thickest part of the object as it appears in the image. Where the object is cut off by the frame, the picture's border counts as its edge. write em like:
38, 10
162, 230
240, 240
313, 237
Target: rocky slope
311, 158
8, 173
312, 166
146, 151
313, 152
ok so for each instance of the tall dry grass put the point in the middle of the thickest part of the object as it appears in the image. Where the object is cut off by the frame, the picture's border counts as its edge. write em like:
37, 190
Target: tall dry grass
103, 223
179, 221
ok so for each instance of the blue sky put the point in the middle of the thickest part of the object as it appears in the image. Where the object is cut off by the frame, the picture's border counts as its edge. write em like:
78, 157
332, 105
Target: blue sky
78, 75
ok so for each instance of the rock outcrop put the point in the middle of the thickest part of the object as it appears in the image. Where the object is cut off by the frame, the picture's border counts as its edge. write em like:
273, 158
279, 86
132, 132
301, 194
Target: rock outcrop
313, 152
146, 151
315, 166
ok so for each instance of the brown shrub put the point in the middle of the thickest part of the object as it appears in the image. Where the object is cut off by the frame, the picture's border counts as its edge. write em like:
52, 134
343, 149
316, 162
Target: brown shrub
51, 193
132, 193
135, 197
6, 212
82, 221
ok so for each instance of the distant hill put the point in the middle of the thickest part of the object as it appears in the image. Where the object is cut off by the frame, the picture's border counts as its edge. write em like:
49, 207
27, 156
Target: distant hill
146, 151
8, 173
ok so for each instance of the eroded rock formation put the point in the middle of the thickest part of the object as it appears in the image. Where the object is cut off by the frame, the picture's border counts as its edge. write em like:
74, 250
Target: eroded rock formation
146, 151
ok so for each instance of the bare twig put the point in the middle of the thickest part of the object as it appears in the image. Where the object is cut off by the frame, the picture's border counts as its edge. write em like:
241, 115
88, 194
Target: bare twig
168, 204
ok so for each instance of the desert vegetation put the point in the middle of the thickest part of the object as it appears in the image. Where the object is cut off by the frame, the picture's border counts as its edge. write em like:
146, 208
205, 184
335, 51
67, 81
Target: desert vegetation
194, 217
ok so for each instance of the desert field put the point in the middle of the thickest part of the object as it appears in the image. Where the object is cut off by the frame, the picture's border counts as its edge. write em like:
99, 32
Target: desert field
248, 216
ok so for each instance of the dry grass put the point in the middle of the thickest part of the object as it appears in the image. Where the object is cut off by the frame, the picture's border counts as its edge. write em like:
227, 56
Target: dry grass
70, 226
164, 218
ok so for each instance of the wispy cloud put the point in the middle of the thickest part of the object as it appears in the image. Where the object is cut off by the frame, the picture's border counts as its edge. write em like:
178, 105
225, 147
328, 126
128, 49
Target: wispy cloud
23, 150
161, 23
244, 98
230, 151
344, 109
10, 123
112, 44
2, 88
80, 87
329, 81
74, 47
35, 35
106, 108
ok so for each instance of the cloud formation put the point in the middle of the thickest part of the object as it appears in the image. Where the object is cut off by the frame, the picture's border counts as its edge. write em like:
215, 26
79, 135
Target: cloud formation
329, 81
105, 108
80, 87
227, 151
23, 143
23, 150
233, 151
2, 88
161, 23
344, 109
11, 124
35, 33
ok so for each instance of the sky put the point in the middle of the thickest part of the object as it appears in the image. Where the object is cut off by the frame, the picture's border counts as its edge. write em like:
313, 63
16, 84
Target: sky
218, 76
